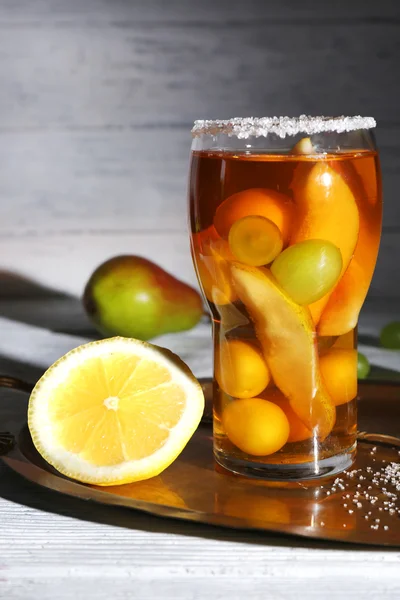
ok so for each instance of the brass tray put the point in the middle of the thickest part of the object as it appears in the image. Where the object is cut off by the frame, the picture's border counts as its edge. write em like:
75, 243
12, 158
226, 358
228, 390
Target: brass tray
352, 509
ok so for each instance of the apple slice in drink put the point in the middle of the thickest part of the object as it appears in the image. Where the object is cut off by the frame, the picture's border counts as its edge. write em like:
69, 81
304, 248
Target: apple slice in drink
287, 336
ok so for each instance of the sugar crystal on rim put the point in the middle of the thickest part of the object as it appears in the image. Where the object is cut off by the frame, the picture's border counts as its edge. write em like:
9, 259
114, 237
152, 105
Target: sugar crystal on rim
244, 128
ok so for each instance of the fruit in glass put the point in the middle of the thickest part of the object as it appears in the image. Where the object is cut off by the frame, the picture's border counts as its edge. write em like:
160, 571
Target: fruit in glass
285, 229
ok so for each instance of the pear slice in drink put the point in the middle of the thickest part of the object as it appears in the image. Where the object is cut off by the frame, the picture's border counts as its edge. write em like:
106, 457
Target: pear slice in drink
287, 336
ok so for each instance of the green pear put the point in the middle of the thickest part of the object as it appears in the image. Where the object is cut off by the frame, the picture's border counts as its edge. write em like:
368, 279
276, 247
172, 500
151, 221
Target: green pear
133, 297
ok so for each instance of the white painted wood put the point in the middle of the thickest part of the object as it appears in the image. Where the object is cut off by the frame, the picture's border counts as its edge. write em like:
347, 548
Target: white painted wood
178, 11
64, 182
65, 262
91, 195
60, 182
51, 555
115, 75
37, 348
96, 101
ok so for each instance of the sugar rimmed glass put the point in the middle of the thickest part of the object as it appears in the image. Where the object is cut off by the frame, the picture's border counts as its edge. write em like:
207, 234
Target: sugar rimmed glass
285, 222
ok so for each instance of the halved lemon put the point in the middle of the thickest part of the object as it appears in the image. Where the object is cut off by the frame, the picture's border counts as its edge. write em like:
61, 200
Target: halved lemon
114, 411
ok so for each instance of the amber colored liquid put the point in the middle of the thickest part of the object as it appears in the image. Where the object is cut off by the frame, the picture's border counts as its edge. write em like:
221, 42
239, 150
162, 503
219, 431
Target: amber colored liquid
216, 177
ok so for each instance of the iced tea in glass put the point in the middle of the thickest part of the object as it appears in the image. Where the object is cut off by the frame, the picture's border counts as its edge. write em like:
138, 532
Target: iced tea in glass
285, 220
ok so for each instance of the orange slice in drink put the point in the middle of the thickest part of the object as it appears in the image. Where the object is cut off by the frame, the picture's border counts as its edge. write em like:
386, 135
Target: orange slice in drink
256, 201
256, 426
298, 431
255, 240
287, 336
240, 369
339, 372
114, 411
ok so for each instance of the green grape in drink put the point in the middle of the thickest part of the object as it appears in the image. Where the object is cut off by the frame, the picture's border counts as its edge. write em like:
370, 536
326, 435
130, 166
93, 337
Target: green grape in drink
308, 270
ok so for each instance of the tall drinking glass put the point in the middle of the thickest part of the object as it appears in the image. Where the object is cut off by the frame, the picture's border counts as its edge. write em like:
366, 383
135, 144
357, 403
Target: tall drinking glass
285, 221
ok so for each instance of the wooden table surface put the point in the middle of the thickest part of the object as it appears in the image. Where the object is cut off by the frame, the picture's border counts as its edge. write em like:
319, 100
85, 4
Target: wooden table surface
55, 547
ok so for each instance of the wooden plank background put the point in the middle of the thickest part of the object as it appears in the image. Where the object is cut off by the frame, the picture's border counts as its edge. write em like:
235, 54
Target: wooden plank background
97, 98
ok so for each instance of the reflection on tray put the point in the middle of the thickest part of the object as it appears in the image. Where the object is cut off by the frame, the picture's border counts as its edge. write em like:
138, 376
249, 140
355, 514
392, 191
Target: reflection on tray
351, 507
